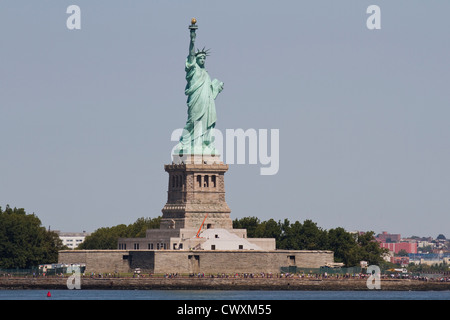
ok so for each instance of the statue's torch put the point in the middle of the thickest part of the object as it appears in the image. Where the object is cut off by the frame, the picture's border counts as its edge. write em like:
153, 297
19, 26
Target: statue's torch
193, 25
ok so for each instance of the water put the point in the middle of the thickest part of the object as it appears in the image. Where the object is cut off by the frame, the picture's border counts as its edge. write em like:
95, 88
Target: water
220, 295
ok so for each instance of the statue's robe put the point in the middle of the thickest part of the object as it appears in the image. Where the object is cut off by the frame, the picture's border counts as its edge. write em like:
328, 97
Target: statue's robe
198, 133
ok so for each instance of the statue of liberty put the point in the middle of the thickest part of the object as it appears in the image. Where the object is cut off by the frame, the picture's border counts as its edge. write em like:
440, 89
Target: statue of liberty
198, 133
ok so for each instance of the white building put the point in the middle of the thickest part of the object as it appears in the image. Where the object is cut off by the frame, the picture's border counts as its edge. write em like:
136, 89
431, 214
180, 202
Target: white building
72, 239
221, 239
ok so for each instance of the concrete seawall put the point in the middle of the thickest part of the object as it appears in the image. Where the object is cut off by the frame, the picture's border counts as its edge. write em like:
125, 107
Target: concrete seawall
219, 284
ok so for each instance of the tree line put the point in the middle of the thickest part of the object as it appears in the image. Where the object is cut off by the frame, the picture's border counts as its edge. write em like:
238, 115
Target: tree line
349, 248
24, 243
107, 237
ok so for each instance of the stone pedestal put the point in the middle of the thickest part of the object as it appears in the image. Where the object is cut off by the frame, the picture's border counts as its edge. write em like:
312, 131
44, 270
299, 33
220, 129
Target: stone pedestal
196, 194
196, 159
196, 215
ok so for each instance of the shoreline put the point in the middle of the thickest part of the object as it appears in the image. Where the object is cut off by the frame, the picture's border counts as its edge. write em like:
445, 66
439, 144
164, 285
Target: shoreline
56, 283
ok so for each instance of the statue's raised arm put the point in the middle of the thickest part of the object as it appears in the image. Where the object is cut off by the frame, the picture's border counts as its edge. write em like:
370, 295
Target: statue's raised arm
191, 56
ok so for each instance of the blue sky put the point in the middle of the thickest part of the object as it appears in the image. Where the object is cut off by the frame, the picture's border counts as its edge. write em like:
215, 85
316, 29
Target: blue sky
87, 115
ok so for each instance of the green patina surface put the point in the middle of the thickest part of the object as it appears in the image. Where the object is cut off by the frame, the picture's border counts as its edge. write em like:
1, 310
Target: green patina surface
198, 133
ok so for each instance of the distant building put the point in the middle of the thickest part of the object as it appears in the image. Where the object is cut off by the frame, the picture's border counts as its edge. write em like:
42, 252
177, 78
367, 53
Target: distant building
388, 237
397, 247
424, 244
430, 258
392, 243
403, 261
72, 239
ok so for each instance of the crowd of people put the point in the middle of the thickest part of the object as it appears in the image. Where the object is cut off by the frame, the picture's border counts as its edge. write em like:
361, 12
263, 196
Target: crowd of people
441, 277
317, 276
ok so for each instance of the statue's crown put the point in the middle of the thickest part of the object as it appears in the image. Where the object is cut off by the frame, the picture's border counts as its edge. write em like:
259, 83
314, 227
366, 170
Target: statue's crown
203, 51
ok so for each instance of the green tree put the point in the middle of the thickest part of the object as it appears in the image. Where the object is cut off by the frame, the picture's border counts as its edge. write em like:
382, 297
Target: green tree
402, 253
348, 248
24, 243
139, 228
313, 237
302, 236
107, 237
104, 238
369, 249
249, 223
441, 237
268, 229
257, 229
344, 246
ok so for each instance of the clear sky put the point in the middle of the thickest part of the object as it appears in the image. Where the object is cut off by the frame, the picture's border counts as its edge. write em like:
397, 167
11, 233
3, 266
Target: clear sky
363, 115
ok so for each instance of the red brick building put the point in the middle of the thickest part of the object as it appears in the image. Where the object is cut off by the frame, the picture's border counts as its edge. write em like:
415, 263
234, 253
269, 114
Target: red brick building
397, 247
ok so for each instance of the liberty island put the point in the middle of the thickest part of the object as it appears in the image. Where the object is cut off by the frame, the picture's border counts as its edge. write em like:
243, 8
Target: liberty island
196, 233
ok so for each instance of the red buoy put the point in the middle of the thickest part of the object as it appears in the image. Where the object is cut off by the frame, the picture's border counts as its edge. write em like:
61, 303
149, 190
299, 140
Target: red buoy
49, 294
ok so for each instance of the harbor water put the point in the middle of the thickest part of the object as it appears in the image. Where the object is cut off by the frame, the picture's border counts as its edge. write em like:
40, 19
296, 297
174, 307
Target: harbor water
220, 295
